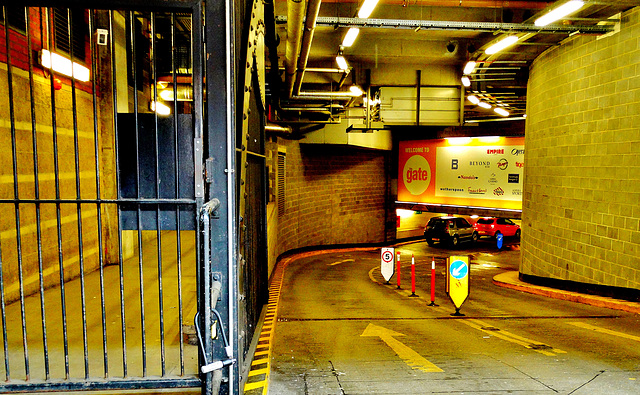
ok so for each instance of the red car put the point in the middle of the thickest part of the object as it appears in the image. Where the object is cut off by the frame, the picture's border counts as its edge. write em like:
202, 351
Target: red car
492, 227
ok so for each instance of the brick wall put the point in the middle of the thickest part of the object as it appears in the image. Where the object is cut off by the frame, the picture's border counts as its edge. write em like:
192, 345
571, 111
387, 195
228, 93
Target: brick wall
334, 195
581, 204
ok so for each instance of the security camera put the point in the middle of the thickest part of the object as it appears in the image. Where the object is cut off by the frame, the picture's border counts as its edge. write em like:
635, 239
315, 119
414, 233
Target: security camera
452, 46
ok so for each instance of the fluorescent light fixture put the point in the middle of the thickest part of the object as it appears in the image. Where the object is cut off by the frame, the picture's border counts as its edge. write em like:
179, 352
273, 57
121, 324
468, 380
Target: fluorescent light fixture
502, 44
465, 81
489, 139
367, 8
458, 140
501, 111
342, 62
484, 104
468, 68
350, 37
560, 12
356, 90
62, 65
160, 108
473, 99
166, 94
404, 213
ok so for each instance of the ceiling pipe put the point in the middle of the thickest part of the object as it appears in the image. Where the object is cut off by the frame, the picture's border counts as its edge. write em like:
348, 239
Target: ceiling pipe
273, 128
295, 14
313, 8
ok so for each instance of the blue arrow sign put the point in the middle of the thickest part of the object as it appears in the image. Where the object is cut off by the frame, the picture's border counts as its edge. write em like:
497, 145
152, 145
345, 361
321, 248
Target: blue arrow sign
459, 269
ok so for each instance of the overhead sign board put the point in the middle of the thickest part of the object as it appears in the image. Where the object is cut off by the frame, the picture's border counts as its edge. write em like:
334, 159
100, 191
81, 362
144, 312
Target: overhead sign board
480, 172
387, 267
457, 286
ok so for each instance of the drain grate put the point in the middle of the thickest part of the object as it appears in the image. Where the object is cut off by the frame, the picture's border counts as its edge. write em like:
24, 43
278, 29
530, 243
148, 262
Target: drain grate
540, 347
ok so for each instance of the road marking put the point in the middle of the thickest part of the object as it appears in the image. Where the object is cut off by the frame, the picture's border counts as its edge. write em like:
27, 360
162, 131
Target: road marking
339, 262
513, 338
603, 330
410, 357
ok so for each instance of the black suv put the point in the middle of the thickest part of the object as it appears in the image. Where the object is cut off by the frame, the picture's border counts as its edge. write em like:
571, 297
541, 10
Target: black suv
450, 230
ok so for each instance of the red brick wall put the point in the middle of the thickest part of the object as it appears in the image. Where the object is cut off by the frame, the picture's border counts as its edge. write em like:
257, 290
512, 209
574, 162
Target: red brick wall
334, 195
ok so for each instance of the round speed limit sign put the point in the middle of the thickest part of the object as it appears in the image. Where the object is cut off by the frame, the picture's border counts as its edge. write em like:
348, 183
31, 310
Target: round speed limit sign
387, 268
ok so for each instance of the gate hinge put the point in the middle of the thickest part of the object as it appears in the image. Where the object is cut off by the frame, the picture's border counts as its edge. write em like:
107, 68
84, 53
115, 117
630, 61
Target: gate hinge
208, 170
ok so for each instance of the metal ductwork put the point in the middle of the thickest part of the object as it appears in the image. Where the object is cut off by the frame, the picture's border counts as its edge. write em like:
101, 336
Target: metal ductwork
295, 14
313, 8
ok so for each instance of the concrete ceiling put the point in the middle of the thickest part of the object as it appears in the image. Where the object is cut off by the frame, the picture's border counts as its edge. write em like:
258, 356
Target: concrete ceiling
420, 40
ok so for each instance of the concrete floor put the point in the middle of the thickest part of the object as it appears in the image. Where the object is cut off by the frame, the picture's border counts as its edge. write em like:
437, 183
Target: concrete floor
341, 330
95, 356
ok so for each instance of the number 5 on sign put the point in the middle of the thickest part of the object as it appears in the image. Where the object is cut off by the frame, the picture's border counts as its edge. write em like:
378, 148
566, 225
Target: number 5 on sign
387, 267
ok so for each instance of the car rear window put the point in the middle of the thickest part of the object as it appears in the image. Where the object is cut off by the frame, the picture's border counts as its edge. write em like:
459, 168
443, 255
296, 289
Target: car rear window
485, 221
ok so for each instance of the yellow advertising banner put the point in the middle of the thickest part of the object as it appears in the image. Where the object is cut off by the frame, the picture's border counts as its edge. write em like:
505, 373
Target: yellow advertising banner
482, 172
458, 279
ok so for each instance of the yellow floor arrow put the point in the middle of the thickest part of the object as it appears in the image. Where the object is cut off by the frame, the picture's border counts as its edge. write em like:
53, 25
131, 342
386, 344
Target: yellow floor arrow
410, 357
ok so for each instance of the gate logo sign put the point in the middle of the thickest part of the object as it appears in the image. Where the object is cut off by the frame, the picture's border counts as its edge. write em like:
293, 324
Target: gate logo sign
416, 174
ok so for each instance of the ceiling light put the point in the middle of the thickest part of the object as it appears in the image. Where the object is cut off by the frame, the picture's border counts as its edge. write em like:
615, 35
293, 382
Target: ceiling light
468, 68
465, 81
160, 108
502, 44
342, 62
484, 104
501, 111
458, 140
356, 90
350, 37
367, 8
62, 65
473, 99
489, 139
560, 12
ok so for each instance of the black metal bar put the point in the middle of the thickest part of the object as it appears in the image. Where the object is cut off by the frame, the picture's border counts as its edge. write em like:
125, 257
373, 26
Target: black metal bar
96, 143
120, 202
76, 149
158, 227
177, 188
111, 384
5, 343
114, 94
138, 212
16, 196
34, 138
56, 172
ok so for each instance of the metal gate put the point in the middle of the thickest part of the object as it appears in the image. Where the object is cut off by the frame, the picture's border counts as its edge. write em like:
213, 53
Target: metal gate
103, 264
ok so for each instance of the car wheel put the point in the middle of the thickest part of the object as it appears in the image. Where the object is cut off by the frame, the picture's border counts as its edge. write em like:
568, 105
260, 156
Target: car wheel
474, 237
430, 242
518, 234
455, 241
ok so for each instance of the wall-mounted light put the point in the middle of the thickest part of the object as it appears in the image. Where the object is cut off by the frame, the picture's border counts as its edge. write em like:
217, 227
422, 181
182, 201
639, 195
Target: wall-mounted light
484, 105
342, 62
159, 108
62, 65
502, 44
367, 8
489, 139
501, 111
465, 81
473, 99
468, 68
559, 12
350, 37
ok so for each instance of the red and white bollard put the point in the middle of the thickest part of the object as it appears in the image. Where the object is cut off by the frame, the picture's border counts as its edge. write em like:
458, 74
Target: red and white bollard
413, 277
398, 269
433, 282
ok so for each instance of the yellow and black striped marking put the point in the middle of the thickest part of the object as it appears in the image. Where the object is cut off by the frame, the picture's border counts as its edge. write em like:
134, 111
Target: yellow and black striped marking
258, 380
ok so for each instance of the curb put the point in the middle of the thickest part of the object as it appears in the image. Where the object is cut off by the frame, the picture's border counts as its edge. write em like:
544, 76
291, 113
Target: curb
510, 280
